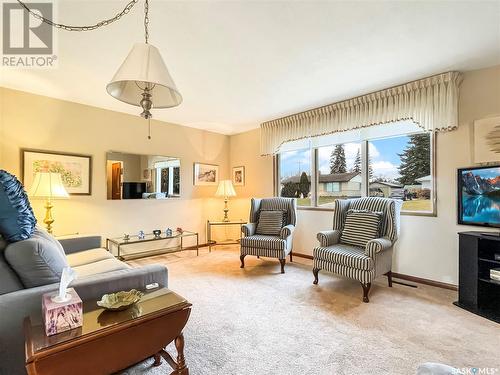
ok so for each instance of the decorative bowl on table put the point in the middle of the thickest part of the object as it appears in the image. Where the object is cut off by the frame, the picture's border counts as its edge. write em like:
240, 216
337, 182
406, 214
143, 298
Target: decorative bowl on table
120, 301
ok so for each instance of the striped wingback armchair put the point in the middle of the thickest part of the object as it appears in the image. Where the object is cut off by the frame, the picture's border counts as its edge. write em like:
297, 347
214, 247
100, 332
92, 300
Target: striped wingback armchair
278, 246
361, 264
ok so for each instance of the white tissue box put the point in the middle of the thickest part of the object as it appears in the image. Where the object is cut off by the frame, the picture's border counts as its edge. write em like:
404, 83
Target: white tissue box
60, 317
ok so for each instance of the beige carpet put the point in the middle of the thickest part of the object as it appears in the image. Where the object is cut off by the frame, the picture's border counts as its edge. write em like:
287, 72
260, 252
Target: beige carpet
257, 321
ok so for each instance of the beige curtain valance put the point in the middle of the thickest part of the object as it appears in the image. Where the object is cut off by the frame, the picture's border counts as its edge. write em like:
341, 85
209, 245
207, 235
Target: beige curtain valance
432, 103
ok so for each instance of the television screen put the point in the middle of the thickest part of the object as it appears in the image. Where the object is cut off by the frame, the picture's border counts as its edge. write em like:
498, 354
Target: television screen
133, 190
479, 196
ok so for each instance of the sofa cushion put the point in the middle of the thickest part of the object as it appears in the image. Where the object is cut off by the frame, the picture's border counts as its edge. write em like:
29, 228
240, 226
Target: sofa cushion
102, 266
88, 256
270, 222
3, 243
38, 260
17, 221
360, 227
263, 242
346, 255
9, 282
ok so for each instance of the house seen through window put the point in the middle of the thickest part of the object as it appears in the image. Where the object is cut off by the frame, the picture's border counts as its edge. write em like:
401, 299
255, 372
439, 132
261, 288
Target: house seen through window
400, 167
339, 173
397, 167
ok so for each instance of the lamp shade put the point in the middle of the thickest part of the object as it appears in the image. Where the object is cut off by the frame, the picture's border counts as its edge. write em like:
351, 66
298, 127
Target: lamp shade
225, 189
49, 186
144, 67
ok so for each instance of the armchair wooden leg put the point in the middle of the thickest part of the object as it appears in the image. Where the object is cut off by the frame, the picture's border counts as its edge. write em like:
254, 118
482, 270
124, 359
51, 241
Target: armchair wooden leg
242, 258
366, 288
389, 278
291, 260
282, 262
315, 273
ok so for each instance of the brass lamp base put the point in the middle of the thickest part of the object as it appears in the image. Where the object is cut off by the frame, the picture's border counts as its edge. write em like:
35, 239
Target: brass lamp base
48, 216
226, 210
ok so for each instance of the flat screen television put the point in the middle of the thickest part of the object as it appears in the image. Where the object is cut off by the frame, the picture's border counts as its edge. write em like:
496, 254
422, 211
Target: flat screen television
479, 196
133, 190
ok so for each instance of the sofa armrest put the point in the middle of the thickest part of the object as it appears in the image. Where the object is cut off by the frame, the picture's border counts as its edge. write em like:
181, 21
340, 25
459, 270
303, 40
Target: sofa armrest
286, 231
249, 229
328, 237
76, 244
15, 306
377, 245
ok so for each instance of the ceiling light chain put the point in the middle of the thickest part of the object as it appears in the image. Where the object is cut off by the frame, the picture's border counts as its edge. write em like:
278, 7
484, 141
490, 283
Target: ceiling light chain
106, 22
146, 20
142, 74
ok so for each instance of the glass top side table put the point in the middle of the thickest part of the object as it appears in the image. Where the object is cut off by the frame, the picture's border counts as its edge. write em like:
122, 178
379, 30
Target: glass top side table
119, 242
211, 223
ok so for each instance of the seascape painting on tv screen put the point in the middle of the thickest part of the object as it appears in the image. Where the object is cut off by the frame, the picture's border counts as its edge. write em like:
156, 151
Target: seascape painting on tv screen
481, 196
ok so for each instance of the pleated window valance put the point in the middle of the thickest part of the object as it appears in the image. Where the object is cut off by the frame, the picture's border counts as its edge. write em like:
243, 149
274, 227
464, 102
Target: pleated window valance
432, 103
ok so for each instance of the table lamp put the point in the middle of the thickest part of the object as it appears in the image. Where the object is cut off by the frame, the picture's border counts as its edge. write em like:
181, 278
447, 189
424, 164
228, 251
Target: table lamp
49, 186
226, 190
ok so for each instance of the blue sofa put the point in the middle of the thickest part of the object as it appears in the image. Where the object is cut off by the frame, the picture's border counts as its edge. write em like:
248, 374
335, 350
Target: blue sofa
98, 273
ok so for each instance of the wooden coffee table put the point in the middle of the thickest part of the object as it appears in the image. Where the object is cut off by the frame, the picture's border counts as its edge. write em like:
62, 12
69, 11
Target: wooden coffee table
112, 341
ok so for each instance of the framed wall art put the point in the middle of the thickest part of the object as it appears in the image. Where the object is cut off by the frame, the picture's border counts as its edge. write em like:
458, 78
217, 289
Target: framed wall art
239, 176
205, 174
487, 140
75, 169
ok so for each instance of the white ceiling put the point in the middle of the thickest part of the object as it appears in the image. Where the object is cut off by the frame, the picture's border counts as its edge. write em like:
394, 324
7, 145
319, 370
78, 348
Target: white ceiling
239, 63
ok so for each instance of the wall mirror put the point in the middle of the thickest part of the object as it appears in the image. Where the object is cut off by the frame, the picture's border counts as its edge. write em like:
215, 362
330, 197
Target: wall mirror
134, 176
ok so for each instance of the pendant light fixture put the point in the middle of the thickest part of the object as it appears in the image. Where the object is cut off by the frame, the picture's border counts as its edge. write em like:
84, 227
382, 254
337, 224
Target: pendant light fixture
143, 79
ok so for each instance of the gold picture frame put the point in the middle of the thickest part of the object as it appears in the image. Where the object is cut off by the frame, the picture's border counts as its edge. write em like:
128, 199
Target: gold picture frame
205, 174
239, 176
75, 169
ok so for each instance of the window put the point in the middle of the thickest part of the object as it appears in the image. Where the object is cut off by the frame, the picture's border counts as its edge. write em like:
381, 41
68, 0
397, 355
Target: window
332, 187
168, 177
397, 164
400, 167
339, 173
295, 176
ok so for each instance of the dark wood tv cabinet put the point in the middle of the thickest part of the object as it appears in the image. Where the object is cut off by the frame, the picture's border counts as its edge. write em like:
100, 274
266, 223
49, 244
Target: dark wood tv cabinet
477, 292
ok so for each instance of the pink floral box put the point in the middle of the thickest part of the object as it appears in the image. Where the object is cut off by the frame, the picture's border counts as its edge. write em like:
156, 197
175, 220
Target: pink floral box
60, 317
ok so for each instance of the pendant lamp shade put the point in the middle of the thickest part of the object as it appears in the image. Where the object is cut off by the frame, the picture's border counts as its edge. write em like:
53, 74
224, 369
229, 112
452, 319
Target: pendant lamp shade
144, 69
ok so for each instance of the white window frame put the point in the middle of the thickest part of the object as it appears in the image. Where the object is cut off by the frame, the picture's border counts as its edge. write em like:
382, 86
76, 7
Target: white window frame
365, 177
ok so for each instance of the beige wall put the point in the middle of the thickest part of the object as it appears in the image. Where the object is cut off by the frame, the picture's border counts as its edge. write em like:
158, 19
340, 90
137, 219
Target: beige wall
245, 150
428, 246
32, 121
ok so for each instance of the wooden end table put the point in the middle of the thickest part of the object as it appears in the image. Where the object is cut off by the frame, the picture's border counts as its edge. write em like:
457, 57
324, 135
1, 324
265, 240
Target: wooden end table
112, 341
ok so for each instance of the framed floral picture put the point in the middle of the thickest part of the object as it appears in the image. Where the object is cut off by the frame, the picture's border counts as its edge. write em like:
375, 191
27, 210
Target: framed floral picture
487, 140
239, 176
75, 169
205, 174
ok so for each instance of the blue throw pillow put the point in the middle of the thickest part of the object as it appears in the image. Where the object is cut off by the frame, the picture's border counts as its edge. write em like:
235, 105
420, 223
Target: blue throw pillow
17, 221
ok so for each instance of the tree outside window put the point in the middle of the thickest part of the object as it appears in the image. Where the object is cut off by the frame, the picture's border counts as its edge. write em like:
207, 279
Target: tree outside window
402, 170
295, 176
398, 167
